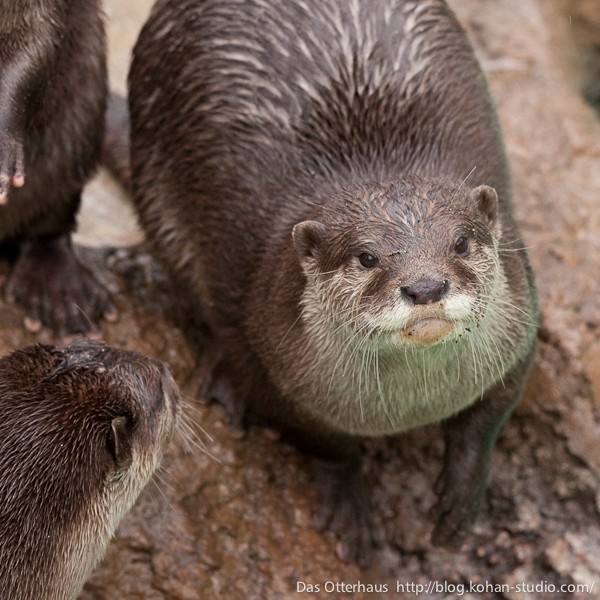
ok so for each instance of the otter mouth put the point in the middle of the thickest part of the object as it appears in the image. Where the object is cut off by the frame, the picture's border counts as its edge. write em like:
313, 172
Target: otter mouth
426, 331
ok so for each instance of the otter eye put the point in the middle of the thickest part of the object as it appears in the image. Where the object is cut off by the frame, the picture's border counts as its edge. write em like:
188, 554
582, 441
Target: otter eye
462, 245
368, 261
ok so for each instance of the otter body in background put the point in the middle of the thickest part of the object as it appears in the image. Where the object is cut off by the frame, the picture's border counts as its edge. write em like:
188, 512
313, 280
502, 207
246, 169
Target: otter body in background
82, 429
52, 100
326, 181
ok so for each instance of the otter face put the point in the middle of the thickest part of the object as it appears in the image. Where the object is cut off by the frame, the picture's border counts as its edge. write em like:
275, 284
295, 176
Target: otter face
405, 263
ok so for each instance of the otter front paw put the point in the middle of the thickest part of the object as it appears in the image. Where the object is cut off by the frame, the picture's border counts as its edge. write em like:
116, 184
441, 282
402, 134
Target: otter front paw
343, 510
456, 509
12, 165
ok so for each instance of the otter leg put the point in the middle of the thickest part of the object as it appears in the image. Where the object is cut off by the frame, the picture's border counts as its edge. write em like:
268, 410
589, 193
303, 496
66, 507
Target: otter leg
115, 147
344, 507
470, 439
55, 289
218, 385
343, 502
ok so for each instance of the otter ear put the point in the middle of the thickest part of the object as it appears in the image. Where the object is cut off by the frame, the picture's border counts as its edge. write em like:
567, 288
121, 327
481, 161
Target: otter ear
308, 237
487, 201
117, 440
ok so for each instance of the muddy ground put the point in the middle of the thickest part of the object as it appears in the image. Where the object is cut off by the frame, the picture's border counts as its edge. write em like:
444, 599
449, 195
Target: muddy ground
233, 521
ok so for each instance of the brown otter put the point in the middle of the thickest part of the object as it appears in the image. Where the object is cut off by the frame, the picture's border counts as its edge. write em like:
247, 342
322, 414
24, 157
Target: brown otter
82, 429
115, 145
327, 184
52, 99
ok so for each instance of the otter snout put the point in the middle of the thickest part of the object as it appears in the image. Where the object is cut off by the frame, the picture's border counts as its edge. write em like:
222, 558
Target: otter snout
426, 291
426, 326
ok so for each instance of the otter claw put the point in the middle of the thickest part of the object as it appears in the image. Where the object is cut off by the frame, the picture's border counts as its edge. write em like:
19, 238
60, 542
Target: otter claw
12, 166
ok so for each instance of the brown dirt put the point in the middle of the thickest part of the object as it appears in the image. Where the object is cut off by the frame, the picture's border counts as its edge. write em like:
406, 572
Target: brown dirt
233, 521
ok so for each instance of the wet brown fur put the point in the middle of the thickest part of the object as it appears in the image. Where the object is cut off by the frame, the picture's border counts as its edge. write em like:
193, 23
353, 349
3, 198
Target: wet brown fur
52, 102
370, 124
81, 429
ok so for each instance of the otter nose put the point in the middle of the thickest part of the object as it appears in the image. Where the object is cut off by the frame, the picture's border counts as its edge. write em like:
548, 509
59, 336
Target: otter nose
426, 291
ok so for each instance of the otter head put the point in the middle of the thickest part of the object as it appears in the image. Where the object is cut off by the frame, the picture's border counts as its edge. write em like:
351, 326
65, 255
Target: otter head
82, 428
411, 263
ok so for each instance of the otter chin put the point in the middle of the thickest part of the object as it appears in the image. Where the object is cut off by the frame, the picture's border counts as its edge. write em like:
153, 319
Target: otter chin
426, 331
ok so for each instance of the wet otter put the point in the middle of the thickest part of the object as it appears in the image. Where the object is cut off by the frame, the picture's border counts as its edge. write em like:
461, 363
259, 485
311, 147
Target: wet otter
82, 429
115, 145
52, 100
326, 182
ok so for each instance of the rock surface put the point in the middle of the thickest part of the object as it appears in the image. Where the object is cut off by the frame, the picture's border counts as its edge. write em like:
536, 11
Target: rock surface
230, 518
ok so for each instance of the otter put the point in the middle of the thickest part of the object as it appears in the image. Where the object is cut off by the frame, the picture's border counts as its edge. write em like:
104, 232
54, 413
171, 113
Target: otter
115, 143
52, 101
327, 185
82, 429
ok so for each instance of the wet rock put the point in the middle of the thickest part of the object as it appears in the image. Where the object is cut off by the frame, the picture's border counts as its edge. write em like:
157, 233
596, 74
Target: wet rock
576, 557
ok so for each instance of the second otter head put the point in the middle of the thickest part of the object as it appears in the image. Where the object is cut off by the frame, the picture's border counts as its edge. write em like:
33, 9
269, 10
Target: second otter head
82, 428
408, 263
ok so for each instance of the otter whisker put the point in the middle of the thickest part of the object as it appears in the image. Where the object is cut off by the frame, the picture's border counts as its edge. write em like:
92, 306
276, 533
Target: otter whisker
287, 333
462, 183
341, 355
503, 310
519, 239
191, 442
520, 249
159, 483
